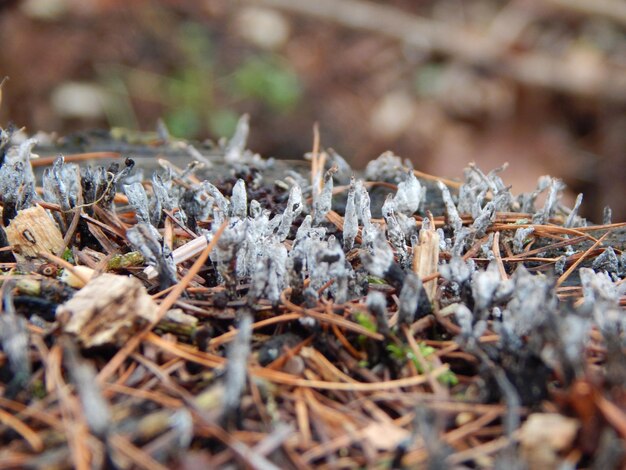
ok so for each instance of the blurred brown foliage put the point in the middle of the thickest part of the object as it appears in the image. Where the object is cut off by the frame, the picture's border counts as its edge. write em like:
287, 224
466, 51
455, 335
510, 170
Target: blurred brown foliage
538, 84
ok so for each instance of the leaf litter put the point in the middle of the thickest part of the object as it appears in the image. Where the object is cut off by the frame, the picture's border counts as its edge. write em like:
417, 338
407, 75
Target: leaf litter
384, 319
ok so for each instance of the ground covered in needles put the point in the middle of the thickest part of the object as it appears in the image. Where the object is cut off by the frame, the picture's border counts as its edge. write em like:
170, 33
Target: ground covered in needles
181, 306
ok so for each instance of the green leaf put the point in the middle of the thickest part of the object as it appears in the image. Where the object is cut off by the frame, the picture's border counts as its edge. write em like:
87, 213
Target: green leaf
376, 280
68, 256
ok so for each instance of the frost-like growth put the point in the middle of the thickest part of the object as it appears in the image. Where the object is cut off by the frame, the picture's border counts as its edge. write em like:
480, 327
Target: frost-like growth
457, 270
253, 245
451, 211
350, 220
572, 219
533, 298
331, 264
269, 278
520, 238
16, 191
22, 154
255, 209
489, 288
409, 194
198, 204
323, 202
303, 230
239, 200
197, 156
607, 261
622, 264
387, 167
472, 193
550, 206
224, 255
344, 170
165, 199
97, 186
526, 202
502, 194
487, 248
504, 328
380, 259
5, 139
607, 216
144, 238
362, 202
377, 305
409, 299
460, 241
218, 198
465, 319
61, 184
138, 200
236, 146
602, 298
294, 178
395, 234
445, 243
574, 331
14, 339
484, 219
310, 300
293, 210
236, 369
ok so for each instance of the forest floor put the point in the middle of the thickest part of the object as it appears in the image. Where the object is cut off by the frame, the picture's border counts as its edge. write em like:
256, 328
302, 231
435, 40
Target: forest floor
168, 305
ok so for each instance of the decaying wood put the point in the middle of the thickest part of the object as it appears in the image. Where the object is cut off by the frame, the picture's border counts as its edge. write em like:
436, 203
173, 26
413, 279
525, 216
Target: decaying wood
108, 310
33, 231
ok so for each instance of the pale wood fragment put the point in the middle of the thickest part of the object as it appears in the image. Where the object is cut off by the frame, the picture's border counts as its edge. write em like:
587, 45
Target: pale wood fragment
108, 310
32, 231
426, 258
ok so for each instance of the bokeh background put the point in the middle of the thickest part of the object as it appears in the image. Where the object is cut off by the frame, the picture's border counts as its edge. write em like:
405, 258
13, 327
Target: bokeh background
540, 84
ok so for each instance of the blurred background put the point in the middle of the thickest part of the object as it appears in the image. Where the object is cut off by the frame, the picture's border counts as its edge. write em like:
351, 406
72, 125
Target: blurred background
540, 84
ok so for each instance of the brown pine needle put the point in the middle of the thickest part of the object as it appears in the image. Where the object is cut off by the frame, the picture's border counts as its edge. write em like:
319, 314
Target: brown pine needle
571, 269
288, 379
33, 439
75, 158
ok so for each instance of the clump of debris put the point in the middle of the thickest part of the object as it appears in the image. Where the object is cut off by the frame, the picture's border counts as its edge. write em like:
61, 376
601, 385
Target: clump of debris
241, 311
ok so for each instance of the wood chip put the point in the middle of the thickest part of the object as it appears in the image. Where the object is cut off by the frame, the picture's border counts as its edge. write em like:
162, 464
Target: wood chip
426, 258
543, 436
385, 436
108, 310
32, 231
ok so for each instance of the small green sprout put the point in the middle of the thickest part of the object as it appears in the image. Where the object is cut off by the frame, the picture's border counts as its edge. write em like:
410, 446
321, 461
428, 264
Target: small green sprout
404, 353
